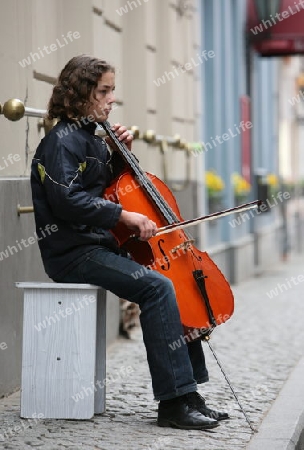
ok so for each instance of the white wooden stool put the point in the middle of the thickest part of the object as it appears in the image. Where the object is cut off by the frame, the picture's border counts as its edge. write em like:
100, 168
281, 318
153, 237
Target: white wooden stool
63, 351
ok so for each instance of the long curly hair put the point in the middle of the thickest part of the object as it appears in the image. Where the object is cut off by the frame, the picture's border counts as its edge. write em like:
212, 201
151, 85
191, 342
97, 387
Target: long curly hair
71, 94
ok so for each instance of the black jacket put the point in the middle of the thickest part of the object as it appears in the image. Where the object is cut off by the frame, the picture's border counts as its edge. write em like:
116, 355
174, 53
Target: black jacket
70, 171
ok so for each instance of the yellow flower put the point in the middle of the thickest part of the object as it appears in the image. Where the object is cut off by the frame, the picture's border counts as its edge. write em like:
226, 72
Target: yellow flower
214, 182
240, 185
272, 180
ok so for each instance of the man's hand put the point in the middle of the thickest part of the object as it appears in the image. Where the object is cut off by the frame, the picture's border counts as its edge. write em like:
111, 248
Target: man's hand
138, 222
123, 135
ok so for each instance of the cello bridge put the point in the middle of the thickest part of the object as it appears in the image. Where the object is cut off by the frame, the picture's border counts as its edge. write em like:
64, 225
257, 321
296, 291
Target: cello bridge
184, 246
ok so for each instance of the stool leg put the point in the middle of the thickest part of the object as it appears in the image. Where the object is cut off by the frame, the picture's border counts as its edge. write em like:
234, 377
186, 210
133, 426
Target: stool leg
100, 368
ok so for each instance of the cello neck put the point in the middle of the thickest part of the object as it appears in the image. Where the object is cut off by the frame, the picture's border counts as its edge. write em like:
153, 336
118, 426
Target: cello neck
123, 150
141, 176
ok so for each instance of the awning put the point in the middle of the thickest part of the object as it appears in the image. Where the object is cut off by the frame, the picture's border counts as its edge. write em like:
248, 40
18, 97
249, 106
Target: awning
279, 33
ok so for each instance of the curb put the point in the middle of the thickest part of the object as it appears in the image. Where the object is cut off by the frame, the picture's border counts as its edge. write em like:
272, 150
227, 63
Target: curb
283, 427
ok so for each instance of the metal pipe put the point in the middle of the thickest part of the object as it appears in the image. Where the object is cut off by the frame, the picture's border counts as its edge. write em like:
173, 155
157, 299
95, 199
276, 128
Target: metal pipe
182, 186
24, 209
14, 110
33, 112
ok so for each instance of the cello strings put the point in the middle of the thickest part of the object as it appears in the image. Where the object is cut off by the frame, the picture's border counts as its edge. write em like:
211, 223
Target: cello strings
144, 181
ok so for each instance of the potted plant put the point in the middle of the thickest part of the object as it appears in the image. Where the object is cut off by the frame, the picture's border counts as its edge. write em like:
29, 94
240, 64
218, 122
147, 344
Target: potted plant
241, 188
215, 186
273, 183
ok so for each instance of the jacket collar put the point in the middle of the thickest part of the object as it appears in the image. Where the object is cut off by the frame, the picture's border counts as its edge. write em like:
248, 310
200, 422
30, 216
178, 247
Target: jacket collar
83, 124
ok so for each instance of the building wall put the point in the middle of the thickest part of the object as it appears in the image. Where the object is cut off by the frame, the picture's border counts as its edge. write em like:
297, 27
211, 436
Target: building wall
291, 109
238, 247
145, 40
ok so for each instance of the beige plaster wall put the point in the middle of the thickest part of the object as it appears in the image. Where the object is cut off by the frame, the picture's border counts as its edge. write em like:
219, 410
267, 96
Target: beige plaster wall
144, 39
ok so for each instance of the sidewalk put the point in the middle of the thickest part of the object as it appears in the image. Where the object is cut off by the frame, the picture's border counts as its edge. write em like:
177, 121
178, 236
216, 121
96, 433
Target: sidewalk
258, 347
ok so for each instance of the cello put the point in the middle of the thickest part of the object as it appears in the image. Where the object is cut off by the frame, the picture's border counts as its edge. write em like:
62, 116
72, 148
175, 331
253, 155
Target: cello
203, 294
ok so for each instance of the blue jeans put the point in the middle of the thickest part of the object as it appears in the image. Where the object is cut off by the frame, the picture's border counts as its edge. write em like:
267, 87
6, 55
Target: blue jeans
174, 369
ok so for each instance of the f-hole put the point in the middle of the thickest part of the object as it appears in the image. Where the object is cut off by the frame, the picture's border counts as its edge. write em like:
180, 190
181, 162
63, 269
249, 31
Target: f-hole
166, 258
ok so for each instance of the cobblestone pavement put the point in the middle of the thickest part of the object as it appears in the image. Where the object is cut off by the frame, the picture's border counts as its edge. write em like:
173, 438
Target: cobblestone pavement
258, 347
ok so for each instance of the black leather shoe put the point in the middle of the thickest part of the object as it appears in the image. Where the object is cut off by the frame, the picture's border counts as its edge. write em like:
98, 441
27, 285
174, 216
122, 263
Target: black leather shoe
195, 400
176, 413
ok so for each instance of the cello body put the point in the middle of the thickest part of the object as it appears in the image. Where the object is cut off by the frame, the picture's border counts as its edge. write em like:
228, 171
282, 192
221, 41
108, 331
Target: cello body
203, 294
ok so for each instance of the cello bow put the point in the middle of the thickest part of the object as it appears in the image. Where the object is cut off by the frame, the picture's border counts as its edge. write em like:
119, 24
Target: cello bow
188, 223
